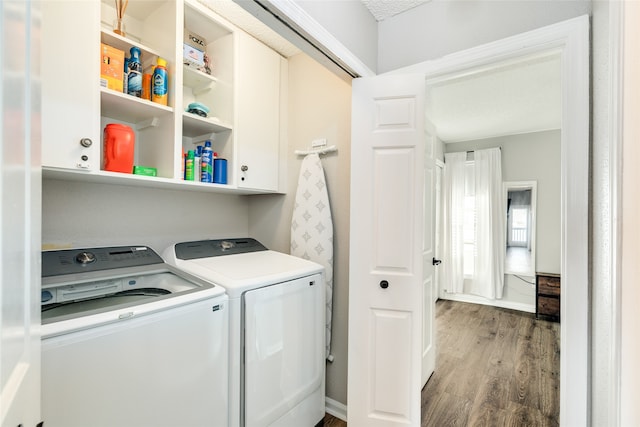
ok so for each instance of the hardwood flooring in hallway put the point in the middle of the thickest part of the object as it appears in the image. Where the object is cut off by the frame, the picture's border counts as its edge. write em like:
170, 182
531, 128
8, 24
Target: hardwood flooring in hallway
494, 367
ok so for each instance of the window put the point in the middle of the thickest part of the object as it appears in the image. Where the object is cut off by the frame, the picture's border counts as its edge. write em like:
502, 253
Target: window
519, 226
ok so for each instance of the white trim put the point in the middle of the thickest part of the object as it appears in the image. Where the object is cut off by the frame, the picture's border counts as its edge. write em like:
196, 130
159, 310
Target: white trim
308, 24
511, 305
616, 90
574, 303
335, 408
571, 38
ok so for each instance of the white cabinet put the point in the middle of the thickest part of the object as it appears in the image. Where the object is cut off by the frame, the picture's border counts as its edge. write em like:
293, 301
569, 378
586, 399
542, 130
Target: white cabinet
70, 96
258, 113
242, 94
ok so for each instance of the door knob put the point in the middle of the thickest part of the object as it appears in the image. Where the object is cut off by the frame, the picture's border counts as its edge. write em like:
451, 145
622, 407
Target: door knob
384, 284
86, 142
436, 261
244, 168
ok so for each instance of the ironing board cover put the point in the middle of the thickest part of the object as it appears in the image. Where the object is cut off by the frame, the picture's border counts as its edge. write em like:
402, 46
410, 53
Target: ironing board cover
312, 227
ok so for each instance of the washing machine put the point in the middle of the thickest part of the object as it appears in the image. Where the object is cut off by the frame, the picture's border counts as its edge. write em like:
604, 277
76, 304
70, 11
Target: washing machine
277, 329
130, 341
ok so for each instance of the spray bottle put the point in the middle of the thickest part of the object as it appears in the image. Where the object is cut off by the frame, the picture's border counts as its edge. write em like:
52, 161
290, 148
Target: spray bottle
207, 162
197, 165
134, 78
188, 167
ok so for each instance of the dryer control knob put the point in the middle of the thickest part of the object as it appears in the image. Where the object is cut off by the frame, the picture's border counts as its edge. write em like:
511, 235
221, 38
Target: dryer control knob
85, 258
225, 245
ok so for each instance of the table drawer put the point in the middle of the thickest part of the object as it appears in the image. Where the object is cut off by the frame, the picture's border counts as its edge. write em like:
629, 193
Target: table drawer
548, 306
548, 285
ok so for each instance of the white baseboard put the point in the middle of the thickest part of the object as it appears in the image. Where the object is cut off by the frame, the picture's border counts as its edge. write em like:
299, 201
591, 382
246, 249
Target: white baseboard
512, 305
335, 408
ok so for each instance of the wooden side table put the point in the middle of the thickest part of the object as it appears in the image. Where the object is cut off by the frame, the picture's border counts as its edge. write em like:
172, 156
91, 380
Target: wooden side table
548, 296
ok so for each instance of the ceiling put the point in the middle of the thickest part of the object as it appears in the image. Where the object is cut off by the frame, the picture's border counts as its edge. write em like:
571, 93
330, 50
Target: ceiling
505, 99
382, 9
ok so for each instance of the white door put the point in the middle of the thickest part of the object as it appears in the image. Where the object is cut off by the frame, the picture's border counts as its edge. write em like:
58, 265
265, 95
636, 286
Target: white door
438, 229
19, 215
385, 279
428, 257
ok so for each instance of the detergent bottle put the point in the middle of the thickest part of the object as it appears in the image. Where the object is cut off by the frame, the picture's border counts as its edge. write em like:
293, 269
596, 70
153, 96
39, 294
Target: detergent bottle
159, 83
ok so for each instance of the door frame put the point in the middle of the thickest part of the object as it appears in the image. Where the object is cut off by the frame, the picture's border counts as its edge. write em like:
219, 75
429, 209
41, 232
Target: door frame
571, 40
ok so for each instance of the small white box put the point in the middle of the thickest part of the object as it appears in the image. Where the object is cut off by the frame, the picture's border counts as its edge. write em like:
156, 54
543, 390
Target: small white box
192, 56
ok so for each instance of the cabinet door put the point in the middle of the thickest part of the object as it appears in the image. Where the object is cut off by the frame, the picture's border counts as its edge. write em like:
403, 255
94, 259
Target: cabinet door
257, 130
70, 84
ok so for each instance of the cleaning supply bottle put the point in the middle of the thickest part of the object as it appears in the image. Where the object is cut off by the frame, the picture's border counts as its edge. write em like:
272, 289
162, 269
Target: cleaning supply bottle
125, 78
188, 167
197, 166
207, 162
134, 80
147, 86
160, 83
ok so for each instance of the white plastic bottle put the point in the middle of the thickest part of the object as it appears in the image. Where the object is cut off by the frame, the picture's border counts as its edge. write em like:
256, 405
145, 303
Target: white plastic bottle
197, 168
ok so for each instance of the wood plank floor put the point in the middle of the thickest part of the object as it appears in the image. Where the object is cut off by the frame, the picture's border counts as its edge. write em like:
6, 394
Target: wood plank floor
495, 367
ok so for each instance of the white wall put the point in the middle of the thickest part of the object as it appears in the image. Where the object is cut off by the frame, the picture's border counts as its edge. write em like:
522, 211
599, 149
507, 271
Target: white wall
630, 292
78, 214
437, 28
319, 107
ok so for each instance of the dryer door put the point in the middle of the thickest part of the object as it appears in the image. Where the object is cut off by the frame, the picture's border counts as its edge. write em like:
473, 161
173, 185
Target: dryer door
284, 353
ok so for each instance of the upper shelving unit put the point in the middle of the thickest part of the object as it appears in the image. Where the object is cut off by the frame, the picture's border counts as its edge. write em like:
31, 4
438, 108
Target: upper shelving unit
162, 133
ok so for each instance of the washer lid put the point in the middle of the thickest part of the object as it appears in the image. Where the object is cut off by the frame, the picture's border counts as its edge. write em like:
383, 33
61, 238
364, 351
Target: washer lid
66, 300
241, 272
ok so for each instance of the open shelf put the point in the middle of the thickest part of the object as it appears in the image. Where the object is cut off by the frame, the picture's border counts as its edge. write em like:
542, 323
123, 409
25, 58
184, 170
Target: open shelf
194, 125
115, 178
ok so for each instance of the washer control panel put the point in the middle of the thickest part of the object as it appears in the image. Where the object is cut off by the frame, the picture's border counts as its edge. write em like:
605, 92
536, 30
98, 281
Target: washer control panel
73, 261
212, 248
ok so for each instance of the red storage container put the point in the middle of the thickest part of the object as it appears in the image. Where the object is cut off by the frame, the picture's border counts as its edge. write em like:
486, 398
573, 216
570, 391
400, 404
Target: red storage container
119, 146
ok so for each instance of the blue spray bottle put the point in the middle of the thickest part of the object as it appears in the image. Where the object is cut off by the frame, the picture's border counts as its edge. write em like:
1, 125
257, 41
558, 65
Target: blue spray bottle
206, 162
134, 78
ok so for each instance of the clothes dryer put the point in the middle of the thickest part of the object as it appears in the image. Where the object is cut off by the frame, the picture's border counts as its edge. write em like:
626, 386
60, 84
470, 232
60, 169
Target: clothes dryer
277, 329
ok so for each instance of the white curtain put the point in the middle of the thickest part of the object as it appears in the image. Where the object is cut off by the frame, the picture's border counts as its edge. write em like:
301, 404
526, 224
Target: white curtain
453, 207
488, 278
